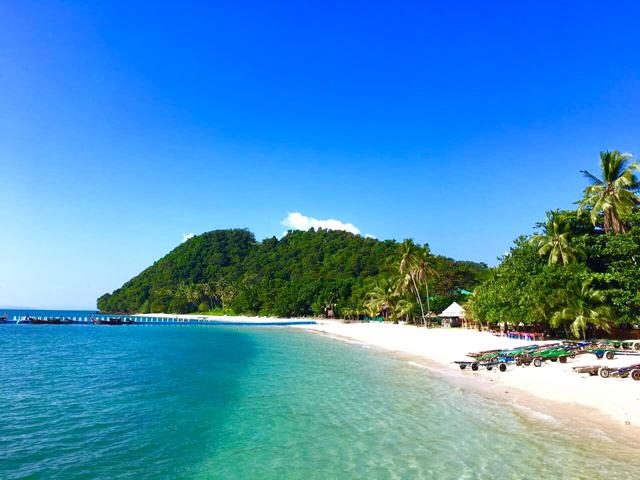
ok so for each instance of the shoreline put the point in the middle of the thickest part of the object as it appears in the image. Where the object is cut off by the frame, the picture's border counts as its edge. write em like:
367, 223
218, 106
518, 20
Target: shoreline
593, 403
553, 391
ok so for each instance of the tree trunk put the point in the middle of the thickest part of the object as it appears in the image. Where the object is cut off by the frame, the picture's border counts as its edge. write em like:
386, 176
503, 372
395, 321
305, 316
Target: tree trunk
426, 282
618, 226
424, 321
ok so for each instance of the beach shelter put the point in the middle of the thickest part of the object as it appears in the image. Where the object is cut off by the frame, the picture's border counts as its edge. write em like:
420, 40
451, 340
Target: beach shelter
452, 316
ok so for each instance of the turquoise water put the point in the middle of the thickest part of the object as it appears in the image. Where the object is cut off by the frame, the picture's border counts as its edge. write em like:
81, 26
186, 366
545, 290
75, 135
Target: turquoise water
268, 403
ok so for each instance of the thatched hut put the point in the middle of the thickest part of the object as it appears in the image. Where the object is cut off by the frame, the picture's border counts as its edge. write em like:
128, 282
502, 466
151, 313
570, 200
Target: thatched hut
452, 316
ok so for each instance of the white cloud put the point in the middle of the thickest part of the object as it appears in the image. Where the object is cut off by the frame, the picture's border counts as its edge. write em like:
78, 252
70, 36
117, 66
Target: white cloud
298, 221
187, 236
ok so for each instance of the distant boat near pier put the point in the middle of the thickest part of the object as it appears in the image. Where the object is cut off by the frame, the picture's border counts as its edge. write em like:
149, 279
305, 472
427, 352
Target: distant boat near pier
111, 321
46, 320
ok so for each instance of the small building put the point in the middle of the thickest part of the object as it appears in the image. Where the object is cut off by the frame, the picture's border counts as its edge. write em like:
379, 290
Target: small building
453, 316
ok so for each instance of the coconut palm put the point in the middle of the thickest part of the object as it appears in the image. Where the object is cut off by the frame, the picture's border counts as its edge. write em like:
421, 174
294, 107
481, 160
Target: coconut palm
359, 310
193, 293
209, 293
347, 312
407, 270
371, 310
422, 272
556, 243
405, 308
613, 195
584, 306
382, 298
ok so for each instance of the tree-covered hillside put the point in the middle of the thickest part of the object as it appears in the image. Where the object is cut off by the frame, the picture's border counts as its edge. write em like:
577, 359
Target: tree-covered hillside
301, 274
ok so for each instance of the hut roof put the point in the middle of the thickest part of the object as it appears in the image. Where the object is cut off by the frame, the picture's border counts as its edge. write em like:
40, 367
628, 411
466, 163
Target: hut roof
453, 310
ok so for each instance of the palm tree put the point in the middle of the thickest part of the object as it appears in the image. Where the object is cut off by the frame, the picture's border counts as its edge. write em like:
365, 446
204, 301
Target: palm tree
405, 308
584, 306
348, 313
382, 298
613, 195
422, 272
556, 243
407, 269
193, 293
209, 292
358, 310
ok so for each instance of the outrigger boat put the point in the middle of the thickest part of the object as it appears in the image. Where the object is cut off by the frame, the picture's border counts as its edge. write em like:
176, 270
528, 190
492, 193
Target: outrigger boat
111, 321
47, 321
35, 321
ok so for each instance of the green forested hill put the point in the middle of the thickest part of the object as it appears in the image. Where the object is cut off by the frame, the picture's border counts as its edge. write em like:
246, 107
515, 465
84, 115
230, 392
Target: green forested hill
297, 275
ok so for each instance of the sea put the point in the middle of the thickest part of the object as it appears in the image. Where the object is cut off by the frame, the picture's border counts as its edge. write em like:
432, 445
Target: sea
222, 402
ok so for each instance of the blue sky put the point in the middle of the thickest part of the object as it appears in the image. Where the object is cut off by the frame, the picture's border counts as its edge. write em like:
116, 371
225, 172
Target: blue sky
123, 127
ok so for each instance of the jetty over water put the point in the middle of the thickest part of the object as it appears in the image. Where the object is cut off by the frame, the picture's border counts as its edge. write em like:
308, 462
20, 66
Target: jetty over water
164, 319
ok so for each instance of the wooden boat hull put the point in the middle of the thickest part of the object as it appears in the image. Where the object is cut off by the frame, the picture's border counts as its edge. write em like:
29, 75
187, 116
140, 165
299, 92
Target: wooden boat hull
110, 321
47, 321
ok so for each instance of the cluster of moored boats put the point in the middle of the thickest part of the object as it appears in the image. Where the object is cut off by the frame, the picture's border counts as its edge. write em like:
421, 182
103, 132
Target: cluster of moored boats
66, 321
46, 321
560, 352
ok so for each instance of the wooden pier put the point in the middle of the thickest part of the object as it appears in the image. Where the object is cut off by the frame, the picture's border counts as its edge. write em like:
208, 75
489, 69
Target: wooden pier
164, 320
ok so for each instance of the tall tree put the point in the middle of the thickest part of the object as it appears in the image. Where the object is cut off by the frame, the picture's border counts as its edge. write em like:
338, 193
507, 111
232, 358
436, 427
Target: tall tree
584, 306
382, 298
422, 272
408, 271
405, 308
555, 243
614, 195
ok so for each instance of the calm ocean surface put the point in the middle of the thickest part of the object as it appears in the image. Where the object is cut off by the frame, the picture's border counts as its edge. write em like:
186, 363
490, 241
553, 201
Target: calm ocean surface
268, 403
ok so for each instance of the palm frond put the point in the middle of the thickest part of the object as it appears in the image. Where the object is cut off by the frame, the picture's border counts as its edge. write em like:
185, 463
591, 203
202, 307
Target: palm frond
590, 176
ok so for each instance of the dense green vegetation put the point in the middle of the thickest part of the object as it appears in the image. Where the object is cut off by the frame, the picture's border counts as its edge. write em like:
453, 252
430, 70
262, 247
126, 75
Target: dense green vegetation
304, 273
580, 274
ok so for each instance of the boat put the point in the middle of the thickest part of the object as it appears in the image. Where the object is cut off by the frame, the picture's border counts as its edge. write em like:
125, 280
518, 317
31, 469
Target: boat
4, 318
35, 321
111, 321
46, 321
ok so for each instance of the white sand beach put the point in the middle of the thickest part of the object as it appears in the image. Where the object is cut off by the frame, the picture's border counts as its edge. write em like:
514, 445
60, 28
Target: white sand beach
615, 398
